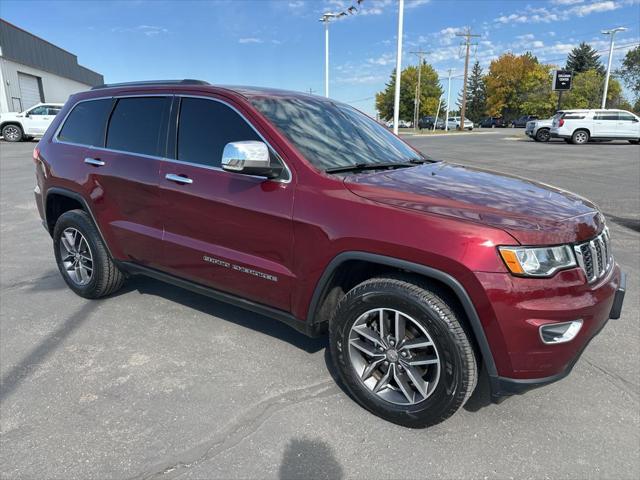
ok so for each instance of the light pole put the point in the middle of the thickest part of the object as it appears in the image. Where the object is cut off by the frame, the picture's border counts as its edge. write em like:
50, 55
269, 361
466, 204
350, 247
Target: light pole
326, 17
611, 32
446, 121
396, 101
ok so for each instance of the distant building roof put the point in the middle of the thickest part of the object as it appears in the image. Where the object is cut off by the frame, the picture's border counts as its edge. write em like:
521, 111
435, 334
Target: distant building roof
23, 47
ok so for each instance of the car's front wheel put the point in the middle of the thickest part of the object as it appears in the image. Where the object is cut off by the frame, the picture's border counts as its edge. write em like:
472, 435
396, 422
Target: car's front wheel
12, 133
400, 349
82, 257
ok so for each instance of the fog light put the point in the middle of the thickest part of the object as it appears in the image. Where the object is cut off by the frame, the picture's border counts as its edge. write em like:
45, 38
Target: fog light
560, 332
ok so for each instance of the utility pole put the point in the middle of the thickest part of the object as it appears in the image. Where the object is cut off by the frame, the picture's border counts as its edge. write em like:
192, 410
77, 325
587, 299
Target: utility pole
611, 32
467, 40
446, 121
311, 90
396, 100
416, 112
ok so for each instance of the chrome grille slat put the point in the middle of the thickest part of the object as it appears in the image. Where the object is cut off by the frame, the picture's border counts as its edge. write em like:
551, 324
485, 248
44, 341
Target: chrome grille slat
594, 257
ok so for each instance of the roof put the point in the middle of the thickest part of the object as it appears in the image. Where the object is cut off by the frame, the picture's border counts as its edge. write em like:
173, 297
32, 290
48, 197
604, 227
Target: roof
26, 48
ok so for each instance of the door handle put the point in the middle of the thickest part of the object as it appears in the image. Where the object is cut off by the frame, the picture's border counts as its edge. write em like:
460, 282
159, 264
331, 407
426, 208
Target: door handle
177, 178
94, 161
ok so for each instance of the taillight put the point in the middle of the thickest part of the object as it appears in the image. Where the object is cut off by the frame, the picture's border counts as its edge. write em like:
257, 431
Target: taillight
561, 122
36, 154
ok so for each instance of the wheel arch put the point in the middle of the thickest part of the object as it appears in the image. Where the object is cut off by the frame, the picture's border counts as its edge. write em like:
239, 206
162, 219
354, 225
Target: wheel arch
60, 200
348, 269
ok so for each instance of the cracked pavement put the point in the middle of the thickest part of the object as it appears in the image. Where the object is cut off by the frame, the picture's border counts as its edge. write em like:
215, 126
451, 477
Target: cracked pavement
160, 383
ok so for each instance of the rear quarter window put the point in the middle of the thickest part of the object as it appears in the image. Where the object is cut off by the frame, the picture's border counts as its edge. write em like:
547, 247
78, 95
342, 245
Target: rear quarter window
86, 123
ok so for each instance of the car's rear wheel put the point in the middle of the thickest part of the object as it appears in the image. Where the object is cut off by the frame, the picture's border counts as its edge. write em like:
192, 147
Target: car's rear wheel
82, 257
401, 351
543, 135
635, 142
12, 133
580, 137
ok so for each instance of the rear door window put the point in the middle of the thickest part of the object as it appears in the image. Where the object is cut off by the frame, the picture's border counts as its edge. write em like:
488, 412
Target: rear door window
86, 123
606, 116
139, 125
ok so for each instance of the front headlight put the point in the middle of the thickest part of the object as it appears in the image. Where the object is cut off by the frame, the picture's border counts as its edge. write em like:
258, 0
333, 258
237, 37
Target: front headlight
537, 261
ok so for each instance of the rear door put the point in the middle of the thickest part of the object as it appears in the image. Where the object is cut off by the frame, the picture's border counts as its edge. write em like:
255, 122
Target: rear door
229, 231
605, 124
124, 177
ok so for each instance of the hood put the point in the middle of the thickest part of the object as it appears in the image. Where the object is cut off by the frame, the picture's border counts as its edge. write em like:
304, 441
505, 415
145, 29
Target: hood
533, 213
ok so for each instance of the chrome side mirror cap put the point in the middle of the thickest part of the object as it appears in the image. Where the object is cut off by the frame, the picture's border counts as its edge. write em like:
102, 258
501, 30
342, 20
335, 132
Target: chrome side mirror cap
249, 157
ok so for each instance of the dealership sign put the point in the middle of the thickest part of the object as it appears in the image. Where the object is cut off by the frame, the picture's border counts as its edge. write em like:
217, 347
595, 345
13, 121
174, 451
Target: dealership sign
562, 80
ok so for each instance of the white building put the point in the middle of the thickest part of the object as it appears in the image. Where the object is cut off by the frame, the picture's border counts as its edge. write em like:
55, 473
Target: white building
33, 70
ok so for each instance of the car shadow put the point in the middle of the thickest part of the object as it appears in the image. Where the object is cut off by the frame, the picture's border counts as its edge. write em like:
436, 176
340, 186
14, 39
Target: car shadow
224, 311
309, 459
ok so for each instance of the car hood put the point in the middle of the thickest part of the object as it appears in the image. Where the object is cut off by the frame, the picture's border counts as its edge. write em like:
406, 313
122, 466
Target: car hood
533, 213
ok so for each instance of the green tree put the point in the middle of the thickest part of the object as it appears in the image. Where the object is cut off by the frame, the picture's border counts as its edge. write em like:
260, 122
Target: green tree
476, 94
583, 58
431, 91
630, 71
517, 85
587, 90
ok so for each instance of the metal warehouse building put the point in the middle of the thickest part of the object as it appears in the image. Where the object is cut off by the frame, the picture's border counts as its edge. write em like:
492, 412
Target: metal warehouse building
33, 70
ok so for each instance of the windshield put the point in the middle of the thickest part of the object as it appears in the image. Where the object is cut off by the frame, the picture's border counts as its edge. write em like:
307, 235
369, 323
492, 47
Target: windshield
332, 135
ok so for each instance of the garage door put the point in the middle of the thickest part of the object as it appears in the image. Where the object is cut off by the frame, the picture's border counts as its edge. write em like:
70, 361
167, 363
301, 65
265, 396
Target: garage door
29, 90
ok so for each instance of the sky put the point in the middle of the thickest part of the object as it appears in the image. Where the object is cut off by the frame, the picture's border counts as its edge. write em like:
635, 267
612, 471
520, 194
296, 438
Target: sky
280, 43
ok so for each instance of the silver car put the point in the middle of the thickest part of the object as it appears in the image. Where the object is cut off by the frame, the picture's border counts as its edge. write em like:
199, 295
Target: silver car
539, 130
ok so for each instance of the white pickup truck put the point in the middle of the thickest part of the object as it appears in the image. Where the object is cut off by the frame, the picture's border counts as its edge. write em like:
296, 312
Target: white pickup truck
33, 122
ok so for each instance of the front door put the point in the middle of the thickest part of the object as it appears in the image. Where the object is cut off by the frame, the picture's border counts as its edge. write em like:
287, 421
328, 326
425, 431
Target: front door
229, 231
628, 125
37, 120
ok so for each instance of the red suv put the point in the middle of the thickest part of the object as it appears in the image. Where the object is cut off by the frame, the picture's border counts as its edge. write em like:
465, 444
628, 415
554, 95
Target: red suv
307, 211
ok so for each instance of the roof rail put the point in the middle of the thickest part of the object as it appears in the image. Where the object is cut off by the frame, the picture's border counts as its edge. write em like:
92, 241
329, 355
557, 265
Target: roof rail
186, 81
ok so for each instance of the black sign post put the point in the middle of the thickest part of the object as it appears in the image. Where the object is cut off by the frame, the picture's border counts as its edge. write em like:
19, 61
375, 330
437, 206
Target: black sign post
561, 82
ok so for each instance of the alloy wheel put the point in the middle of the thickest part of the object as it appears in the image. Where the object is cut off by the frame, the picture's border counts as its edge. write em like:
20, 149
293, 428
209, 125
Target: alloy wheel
76, 256
581, 137
11, 133
394, 356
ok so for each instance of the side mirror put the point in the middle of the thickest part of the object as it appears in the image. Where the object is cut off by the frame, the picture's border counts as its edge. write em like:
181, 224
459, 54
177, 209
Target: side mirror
249, 158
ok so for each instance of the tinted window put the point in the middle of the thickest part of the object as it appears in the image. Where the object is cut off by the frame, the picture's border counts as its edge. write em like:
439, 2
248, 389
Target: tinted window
85, 124
41, 110
138, 125
204, 129
54, 110
606, 116
626, 117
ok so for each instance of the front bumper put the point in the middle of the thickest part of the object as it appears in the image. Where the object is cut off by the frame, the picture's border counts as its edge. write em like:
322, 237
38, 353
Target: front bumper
522, 305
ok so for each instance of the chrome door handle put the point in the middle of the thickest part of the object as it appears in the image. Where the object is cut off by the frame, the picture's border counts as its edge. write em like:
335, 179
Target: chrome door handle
177, 178
94, 161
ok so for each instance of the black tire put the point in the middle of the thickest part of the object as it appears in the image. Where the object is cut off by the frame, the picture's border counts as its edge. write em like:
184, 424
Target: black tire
106, 277
437, 314
580, 137
567, 140
12, 133
634, 142
543, 135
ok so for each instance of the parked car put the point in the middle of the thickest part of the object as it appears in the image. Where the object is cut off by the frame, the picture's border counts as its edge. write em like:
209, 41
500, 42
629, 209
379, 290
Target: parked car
454, 123
493, 122
267, 201
33, 122
581, 126
427, 123
401, 124
522, 121
539, 130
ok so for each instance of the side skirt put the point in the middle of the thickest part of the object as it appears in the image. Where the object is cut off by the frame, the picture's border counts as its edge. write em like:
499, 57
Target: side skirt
285, 317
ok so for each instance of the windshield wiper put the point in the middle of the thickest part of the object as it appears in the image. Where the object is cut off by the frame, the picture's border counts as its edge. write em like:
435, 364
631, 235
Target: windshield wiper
360, 167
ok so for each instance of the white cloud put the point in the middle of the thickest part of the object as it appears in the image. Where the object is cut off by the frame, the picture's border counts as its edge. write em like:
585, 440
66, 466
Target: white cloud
360, 79
296, 4
148, 30
250, 40
513, 18
447, 35
382, 60
416, 3
582, 10
566, 2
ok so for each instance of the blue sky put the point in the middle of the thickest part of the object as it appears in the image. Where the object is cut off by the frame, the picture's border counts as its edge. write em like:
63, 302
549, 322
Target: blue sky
280, 43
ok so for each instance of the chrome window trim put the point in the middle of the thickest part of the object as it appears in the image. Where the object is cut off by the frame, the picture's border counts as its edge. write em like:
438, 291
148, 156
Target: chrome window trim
55, 138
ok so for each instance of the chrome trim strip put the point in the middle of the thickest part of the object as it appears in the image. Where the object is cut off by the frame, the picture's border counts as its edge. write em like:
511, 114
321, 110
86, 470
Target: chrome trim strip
600, 267
55, 138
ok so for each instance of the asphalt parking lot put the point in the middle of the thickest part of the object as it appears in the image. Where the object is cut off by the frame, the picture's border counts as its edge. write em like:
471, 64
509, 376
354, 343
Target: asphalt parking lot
157, 382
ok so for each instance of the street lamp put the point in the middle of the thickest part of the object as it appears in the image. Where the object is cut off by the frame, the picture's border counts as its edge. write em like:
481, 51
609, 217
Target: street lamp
326, 17
396, 100
611, 32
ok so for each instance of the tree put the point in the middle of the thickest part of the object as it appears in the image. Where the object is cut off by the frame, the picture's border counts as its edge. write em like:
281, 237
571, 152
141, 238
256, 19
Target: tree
583, 58
587, 90
476, 94
630, 71
429, 98
519, 84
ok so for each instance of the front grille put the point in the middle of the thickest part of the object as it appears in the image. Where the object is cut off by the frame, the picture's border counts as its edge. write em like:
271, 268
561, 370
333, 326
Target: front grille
594, 256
